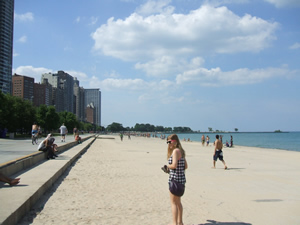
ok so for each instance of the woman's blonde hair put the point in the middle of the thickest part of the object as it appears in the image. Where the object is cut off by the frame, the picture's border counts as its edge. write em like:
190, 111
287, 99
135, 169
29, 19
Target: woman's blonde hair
178, 145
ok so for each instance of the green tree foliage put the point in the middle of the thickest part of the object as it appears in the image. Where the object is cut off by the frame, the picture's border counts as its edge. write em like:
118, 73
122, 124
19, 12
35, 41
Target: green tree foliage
41, 116
148, 128
69, 119
52, 119
47, 118
15, 113
115, 127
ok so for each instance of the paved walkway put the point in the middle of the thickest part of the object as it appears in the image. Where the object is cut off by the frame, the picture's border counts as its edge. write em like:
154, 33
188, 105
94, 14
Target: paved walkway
11, 149
16, 201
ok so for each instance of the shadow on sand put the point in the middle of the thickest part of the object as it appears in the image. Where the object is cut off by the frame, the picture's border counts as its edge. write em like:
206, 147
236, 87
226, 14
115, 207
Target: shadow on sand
213, 222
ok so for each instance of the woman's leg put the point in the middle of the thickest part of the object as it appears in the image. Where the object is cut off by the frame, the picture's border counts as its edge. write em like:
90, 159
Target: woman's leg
180, 213
9, 180
177, 210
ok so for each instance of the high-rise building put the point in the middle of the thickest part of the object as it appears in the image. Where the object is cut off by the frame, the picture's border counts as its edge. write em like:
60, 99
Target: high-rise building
6, 44
90, 113
22, 87
79, 108
63, 90
93, 96
42, 93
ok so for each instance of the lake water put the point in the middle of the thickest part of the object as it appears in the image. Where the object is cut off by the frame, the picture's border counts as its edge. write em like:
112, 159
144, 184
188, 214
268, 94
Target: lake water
286, 141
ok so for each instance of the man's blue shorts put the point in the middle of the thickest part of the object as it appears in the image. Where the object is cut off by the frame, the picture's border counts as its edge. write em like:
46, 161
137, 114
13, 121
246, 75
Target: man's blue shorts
219, 154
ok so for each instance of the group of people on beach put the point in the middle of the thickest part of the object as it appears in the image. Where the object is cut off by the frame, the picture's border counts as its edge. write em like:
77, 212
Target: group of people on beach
47, 145
177, 164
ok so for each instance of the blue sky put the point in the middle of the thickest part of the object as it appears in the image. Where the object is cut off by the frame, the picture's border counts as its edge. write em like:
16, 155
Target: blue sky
222, 64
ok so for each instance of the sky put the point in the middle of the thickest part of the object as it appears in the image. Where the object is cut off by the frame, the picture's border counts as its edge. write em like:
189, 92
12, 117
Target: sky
222, 64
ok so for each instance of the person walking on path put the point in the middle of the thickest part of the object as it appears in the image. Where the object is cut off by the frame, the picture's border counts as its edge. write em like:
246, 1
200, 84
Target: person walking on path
63, 132
176, 167
75, 131
218, 153
34, 133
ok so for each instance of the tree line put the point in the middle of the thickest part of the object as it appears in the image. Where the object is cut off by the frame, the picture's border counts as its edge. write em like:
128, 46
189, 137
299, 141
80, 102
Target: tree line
118, 127
18, 115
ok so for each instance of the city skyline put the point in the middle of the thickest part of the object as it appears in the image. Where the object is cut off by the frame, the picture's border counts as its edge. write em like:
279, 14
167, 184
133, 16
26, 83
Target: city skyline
198, 64
67, 94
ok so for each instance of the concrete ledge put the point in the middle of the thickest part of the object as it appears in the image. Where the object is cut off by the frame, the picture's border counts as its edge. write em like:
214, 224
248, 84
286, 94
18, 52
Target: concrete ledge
25, 162
16, 201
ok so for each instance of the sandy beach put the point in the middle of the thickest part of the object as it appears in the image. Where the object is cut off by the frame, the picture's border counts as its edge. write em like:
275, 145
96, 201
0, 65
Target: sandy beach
118, 182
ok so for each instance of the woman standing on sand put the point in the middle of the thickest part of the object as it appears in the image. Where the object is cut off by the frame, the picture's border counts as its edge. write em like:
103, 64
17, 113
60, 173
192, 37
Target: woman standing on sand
177, 166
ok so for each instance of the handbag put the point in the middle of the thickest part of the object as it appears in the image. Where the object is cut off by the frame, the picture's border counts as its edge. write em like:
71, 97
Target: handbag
176, 188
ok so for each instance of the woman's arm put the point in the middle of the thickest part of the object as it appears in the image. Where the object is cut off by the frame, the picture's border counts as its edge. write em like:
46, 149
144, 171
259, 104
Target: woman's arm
185, 163
176, 157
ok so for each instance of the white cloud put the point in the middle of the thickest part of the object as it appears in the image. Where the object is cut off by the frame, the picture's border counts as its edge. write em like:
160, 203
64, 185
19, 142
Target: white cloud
79, 75
167, 65
27, 17
295, 46
216, 77
77, 20
207, 30
22, 39
284, 3
153, 7
119, 84
225, 2
93, 20
31, 71
15, 54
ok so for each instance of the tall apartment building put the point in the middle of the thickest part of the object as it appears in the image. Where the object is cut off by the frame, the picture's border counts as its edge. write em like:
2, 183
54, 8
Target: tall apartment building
79, 108
93, 97
42, 93
90, 113
6, 44
22, 87
63, 90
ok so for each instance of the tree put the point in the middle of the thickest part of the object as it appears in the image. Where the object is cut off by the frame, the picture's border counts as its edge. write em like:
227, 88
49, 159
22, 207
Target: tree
5, 111
210, 129
15, 113
41, 116
47, 118
25, 115
236, 130
115, 127
69, 119
52, 119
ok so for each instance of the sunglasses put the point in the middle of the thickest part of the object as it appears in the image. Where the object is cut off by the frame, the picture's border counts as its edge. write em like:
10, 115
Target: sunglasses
169, 142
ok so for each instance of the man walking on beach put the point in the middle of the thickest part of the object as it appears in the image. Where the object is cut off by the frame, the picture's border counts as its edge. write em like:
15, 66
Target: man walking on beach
218, 152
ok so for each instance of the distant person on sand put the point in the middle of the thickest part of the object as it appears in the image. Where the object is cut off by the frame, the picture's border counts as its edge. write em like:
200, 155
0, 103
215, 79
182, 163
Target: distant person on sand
203, 140
176, 169
218, 153
231, 141
207, 140
10, 181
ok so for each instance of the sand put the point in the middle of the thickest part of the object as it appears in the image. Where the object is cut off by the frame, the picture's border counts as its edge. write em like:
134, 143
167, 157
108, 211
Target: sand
118, 182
